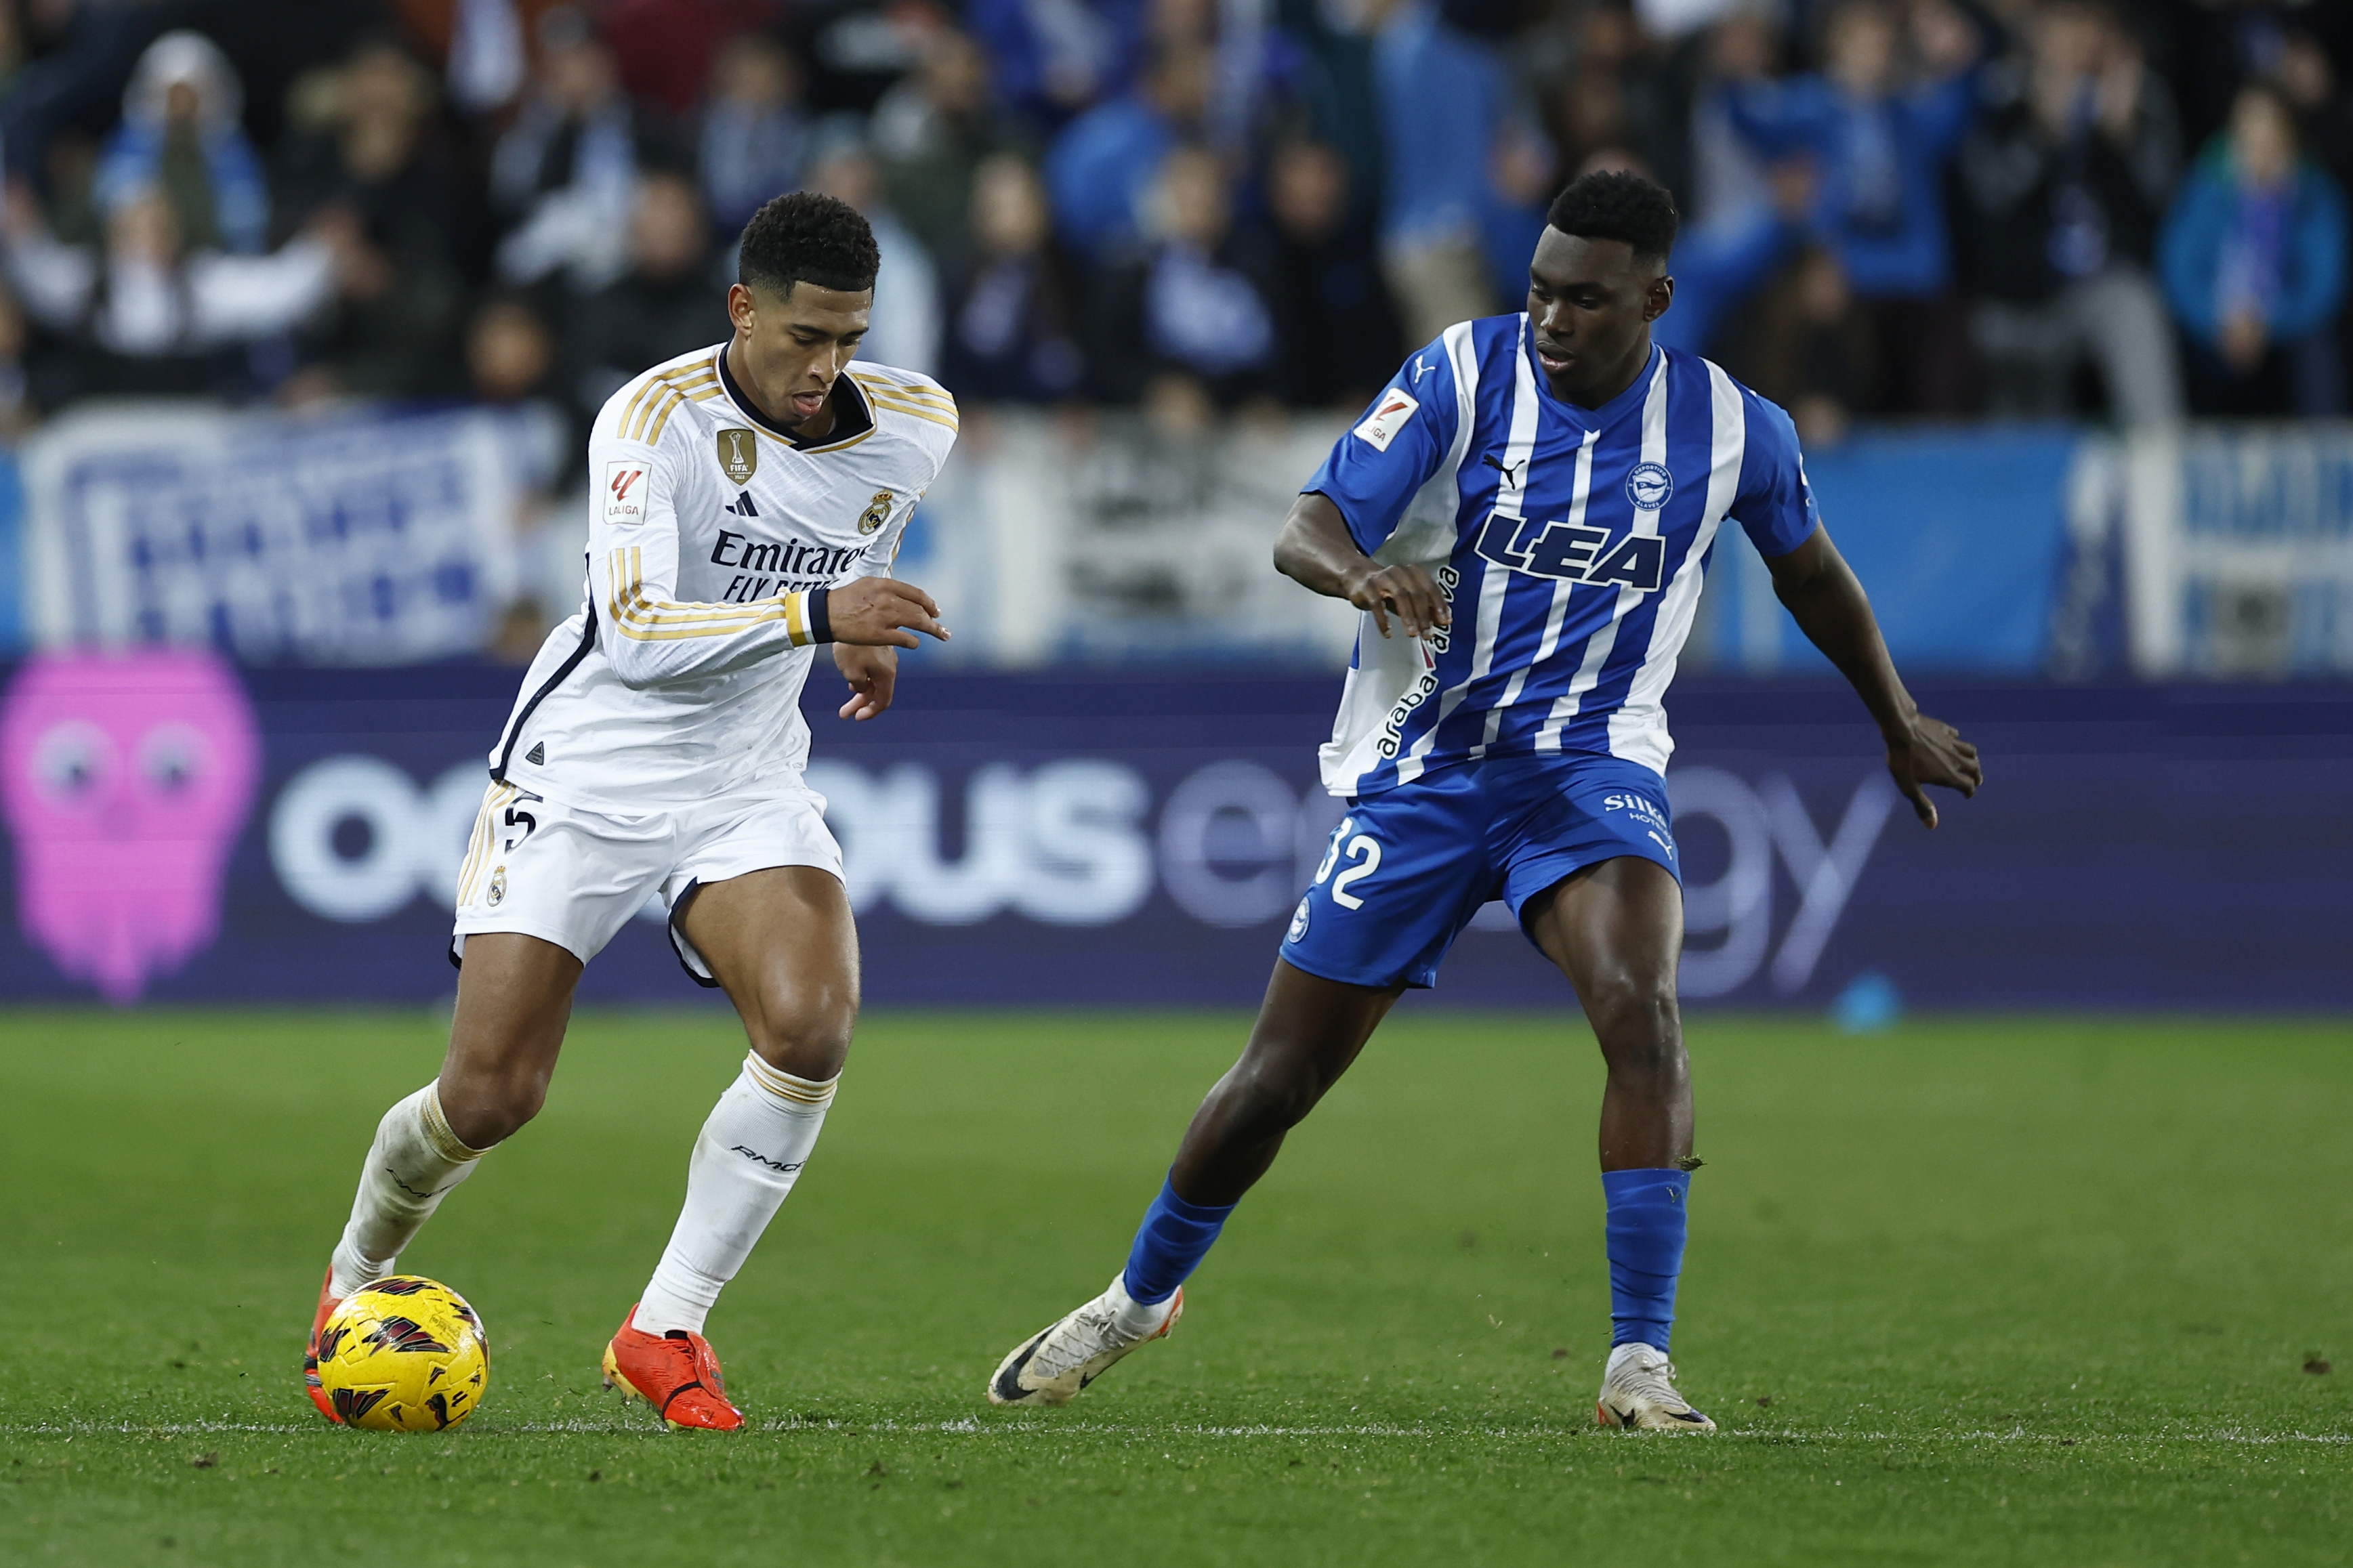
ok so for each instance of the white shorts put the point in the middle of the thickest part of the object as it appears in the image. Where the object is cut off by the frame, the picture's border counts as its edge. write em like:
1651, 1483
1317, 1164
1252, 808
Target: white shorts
573, 877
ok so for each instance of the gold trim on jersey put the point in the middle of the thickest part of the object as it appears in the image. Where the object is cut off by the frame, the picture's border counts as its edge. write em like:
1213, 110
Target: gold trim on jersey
643, 618
836, 446
917, 411
478, 844
905, 389
661, 419
904, 397
664, 390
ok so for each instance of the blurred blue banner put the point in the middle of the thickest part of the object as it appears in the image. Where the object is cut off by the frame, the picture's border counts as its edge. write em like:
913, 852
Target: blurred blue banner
1959, 536
183, 831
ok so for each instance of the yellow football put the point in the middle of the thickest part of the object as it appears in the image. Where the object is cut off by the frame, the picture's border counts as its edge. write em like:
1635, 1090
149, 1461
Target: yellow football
406, 1354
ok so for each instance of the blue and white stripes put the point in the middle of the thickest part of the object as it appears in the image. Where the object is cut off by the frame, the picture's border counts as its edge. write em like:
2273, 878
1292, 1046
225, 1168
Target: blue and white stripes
1573, 542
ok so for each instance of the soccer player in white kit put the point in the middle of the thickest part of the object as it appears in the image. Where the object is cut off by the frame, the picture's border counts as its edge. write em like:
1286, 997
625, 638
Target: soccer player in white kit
746, 503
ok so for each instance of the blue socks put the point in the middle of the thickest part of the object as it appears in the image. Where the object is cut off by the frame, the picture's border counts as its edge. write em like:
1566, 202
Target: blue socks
1173, 1238
1645, 1238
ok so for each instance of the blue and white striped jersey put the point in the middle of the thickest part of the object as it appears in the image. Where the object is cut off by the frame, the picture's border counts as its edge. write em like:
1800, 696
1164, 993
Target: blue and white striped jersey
1571, 542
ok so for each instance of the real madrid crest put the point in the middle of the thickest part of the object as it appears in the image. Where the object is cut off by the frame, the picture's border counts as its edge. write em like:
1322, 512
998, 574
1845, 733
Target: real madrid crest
739, 455
877, 512
498, 888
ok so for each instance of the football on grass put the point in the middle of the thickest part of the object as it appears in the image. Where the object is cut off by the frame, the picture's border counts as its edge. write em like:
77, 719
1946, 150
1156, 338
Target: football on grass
406, 1354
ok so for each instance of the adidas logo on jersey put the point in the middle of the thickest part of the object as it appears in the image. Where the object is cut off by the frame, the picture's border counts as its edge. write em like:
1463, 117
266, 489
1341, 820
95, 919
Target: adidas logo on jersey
1573, 552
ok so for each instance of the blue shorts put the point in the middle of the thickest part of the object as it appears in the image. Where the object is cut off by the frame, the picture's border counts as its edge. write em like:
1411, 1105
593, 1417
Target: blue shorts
1408, 867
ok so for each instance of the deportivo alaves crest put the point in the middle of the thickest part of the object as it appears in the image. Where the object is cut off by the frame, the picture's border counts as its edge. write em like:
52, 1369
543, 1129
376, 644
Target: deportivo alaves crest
739, 454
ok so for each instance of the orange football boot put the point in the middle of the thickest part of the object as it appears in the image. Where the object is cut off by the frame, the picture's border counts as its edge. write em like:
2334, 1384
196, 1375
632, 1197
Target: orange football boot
327, 1304
677, 1374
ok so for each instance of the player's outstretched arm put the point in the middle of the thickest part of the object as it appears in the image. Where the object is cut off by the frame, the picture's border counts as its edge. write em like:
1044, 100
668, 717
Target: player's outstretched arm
1822, 593
1315, 549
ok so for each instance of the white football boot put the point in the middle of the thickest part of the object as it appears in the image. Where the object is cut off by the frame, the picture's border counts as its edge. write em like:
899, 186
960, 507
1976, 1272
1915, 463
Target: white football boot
1638, 1393
1052, 1366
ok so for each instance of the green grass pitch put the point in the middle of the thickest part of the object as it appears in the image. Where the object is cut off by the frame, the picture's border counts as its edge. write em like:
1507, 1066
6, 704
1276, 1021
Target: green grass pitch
1983, 1291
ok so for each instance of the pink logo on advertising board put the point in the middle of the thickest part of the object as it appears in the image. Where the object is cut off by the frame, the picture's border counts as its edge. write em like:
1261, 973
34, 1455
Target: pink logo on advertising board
126, 778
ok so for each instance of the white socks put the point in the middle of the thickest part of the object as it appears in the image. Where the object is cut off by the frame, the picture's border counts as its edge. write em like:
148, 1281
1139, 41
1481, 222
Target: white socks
1134, 1317
750, 1153
411, 1167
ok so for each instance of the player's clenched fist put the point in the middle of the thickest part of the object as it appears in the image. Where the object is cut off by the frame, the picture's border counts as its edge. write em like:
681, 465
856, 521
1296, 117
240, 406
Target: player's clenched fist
882, 612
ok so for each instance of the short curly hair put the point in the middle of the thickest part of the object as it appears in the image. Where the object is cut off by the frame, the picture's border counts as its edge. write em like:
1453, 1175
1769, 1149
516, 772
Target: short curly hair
804, 238
1618, 205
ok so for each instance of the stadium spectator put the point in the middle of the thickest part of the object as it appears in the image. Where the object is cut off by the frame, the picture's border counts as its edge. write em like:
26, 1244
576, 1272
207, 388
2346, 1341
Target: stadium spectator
485, 43
754, 136
365, 143
1607, 89
859, 50
72, 179
145, 315
509, 351
1810, 349
905, 330
1442, 100
79, 55
2313, 88
1339, 333
1728, 173
1722, 263
1103, 164
1250, 63
672, 299
1196, 306
565, 175
180, 136
1880, 136
2063, 181
512, 366
1055, 58
1522, 176
2253, 261
1012, 323
667, 48
930, 134
17, 413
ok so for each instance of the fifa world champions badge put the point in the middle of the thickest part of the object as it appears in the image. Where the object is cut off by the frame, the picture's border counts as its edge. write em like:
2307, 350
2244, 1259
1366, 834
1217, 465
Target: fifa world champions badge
739, 455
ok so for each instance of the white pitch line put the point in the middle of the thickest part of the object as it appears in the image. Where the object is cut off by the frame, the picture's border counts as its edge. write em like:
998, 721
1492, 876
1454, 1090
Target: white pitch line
970, 1426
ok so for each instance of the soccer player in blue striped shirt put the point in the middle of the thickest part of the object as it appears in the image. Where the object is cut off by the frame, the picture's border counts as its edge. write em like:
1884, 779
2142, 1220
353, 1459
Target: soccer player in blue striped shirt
1523, 516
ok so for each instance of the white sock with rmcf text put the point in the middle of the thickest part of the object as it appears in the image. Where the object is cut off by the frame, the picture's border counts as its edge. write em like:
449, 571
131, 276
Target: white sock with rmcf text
749, 1154
411, 1167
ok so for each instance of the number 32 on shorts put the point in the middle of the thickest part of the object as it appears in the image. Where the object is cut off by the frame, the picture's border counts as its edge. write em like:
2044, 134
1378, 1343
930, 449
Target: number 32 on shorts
1363, 856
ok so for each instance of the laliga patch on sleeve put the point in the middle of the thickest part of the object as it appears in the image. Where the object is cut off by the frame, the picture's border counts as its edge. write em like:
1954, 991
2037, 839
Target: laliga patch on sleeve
626, 486
1388, 417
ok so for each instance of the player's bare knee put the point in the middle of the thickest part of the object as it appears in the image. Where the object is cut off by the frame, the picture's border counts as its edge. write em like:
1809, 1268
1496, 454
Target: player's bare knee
1264, 1100
1640, 1026
487, 1108
808, 1037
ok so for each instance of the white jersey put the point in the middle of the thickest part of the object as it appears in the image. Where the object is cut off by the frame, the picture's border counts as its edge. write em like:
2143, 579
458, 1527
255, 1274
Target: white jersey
709, 530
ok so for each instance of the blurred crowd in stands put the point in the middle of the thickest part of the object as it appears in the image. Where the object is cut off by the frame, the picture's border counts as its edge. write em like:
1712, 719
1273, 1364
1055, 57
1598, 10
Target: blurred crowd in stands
1892, 208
